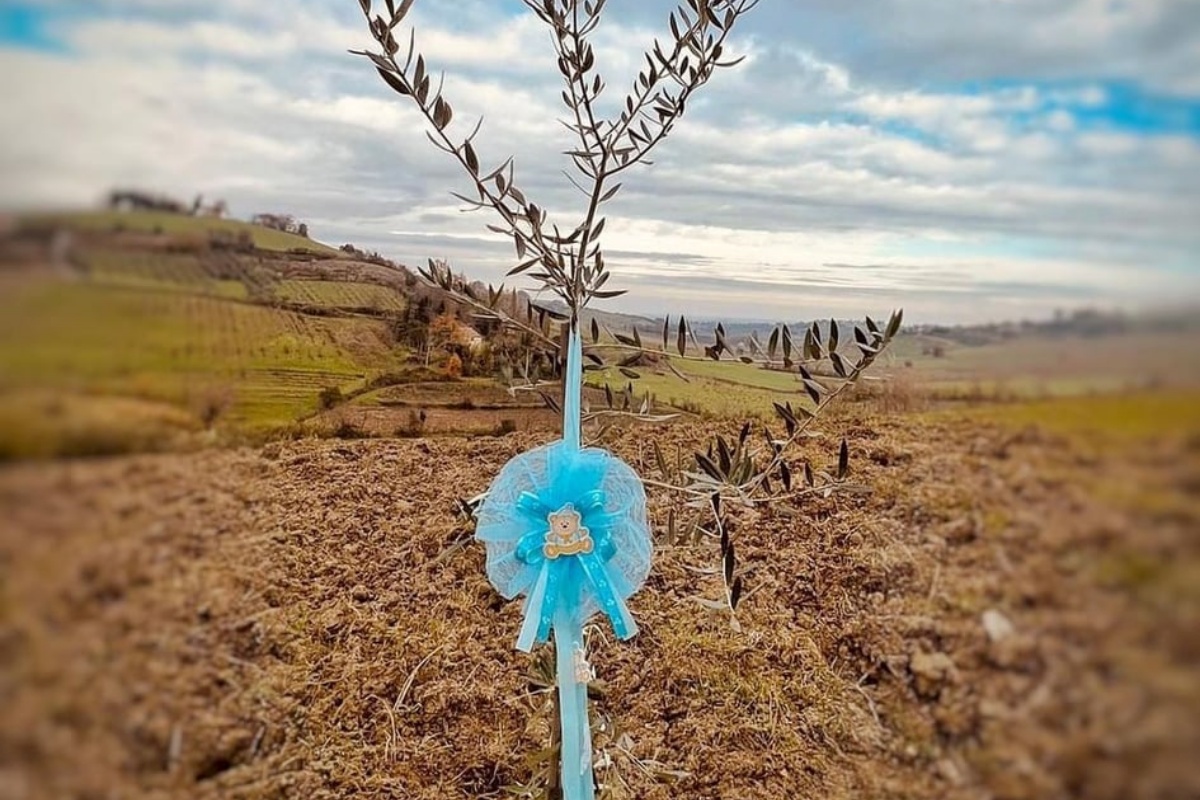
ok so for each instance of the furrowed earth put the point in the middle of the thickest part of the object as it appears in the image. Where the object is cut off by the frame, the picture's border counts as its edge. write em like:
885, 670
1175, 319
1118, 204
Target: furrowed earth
1009, 613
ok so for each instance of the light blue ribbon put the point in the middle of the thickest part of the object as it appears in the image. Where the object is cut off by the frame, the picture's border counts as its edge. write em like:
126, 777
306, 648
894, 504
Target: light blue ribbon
576, 760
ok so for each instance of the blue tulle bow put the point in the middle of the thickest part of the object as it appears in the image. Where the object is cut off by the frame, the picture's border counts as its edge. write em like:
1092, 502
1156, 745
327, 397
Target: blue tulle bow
567, 528
572, 553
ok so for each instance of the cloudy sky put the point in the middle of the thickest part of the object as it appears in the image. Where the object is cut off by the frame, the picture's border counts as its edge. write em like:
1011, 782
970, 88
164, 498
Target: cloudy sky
965, 159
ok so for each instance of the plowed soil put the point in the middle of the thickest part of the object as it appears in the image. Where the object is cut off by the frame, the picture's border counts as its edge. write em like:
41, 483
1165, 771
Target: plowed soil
1009, 614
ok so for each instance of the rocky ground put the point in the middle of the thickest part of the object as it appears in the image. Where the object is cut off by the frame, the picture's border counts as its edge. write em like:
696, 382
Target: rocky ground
1011, 613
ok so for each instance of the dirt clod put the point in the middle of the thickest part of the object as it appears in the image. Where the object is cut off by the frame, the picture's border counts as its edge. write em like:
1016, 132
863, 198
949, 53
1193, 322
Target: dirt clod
996, 625
931, 672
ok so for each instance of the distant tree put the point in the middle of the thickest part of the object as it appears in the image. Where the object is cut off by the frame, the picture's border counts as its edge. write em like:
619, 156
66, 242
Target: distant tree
422, 311
444, 331
136, 200
302, 229
279, 222
331, 396
210, 403
410, 327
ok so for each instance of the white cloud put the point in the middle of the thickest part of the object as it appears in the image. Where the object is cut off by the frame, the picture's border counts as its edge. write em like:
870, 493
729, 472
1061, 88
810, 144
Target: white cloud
797, 161
210, 38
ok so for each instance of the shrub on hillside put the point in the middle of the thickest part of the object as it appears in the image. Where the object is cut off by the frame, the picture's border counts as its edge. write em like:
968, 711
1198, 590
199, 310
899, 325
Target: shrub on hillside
210, 403
331, 396
414, 426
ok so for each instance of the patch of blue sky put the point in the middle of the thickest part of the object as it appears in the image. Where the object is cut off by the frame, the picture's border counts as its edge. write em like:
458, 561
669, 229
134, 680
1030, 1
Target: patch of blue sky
460, 17
907, 131
513, 8
1101, 105
28, 26
1129, 109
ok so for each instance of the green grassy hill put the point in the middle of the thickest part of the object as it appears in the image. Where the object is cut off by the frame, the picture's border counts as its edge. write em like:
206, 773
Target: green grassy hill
249, 366
139, 339
175, 224
340, 294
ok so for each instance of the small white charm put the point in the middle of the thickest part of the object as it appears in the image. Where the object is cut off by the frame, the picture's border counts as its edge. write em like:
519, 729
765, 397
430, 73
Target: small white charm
583, 670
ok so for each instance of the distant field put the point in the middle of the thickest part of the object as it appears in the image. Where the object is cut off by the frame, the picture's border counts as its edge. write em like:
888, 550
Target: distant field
714, 394
339, 294
44, 423
170, 346
729, 370
1134, 415
185, 272
164, 222
1027, 368
1061, 364
476, 391
170, 272
137, 344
